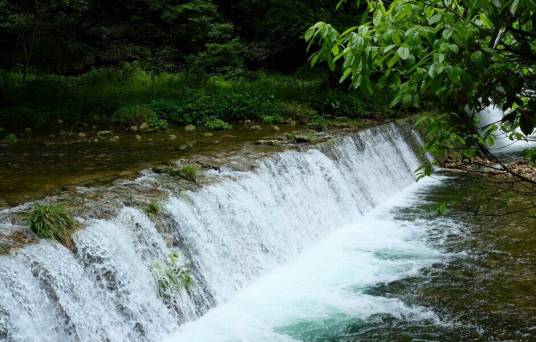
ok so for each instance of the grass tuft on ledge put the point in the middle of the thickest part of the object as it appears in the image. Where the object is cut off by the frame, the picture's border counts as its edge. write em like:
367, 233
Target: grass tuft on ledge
52, 222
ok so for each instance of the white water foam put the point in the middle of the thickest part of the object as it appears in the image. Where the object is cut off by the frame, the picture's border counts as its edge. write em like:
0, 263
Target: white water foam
326, 281
502, 144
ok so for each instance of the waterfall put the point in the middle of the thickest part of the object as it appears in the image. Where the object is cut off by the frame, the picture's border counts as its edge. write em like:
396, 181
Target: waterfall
227, 235
502, 143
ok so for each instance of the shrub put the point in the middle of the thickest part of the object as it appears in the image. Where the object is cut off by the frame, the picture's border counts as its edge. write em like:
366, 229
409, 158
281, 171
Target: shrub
134, 115
171, 276
166, 109
298, 111
157, 123
51, 221
530, 155
10, 138
271, 119
339, 103
216, 125
319, 124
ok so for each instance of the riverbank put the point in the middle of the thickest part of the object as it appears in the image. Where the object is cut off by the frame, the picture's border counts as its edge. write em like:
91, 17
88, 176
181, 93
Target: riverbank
127, 98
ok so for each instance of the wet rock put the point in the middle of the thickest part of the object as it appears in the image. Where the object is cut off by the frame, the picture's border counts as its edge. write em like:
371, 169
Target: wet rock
276, 128
52, 135
172, 137
228, 136
114, 138
104, 133
126, 173
186, 147
60, 122
144, 126
28, 130
82, 135
134, 129
189, 128
256, 128
247, 122
208, 134
267, 142
292, 123
137, 136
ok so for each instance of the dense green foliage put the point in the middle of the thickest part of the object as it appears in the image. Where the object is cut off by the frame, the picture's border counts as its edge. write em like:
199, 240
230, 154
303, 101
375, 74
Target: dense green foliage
51, 221
454, 56
160, 62
129, 96
72, 36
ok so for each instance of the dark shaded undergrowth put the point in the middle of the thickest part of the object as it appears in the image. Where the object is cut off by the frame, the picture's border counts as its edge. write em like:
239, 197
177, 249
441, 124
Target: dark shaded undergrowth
129, 96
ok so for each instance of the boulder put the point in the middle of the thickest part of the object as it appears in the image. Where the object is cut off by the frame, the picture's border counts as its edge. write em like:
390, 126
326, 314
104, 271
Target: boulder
172, 137
255, 128
134, 129
82, 135
144, 126
189, 128
275, 128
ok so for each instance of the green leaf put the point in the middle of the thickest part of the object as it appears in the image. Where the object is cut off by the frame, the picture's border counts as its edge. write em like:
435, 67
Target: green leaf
513, 7
395, 36
526, 124
435, 18
335, 50
403, 52
393, 60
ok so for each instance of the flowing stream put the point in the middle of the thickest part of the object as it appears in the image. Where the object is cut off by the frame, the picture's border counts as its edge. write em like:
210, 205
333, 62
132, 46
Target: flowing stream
288, 252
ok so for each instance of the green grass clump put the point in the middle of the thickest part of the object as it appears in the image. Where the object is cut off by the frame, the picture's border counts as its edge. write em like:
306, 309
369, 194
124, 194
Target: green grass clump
189, 172
171, 276
51, 221
216, 125
153, 209
530, 155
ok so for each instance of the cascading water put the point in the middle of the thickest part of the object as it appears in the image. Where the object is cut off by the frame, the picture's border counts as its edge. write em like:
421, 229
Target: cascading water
492, 115
228, 235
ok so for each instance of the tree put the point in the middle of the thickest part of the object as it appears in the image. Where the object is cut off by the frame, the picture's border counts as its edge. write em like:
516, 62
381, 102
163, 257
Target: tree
456, 56
28, 20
